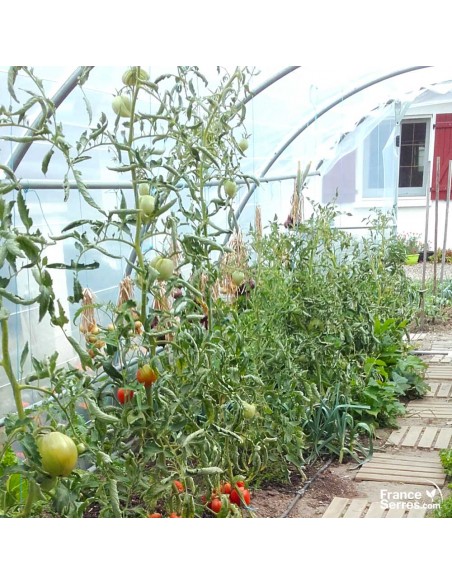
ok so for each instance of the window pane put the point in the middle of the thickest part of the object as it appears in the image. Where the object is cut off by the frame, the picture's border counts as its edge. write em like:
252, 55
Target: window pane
412, 154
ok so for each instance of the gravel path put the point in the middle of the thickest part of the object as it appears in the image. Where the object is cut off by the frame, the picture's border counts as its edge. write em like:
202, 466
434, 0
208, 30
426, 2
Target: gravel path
415, 271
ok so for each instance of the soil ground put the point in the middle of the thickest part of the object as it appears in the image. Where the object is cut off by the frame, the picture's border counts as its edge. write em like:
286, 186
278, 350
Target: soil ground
275, 500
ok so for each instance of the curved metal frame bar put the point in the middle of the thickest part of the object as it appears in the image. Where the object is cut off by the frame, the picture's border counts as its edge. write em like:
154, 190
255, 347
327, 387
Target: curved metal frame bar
270, 81
302, 128
19, 152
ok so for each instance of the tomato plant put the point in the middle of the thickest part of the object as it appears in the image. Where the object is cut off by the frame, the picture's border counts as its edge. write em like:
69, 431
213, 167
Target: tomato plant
58, 452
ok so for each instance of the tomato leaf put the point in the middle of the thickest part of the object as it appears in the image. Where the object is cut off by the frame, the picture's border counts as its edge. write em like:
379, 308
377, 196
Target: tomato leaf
17, 299
28, 247
13, 247
191, 437
23, 211
44, 300
77, 292
23, 356
12, 75
112, 371
84, 191
46, 160
74, 266
7, 170
61, 319
85, 359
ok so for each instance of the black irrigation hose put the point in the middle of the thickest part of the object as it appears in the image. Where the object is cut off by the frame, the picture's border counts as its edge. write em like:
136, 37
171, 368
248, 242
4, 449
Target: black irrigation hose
302, 491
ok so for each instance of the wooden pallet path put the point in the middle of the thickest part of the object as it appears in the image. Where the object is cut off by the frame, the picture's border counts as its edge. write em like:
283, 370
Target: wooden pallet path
433, 408
341, 508
427, 426
402, 468
439, 389
421, 437
441, 372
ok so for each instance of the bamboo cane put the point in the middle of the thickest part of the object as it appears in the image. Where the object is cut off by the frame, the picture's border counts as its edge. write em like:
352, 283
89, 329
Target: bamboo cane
427, 213
435, 246
424, 258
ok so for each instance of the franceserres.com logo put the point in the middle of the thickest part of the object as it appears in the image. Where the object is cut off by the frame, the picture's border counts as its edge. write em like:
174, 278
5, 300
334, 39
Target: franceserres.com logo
415, 499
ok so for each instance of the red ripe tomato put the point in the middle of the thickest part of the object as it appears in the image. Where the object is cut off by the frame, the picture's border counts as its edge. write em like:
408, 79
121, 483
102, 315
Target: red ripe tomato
235, 497
226, 488
124, 395
179, 486
174, 515
240, 484
216, 505
155, 515
146, 375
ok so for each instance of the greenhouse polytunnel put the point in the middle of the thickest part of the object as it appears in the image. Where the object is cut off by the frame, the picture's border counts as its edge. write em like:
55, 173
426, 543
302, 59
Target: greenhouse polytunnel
206, 292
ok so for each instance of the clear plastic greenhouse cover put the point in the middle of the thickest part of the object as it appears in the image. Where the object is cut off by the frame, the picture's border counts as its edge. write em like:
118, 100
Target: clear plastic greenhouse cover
314, 118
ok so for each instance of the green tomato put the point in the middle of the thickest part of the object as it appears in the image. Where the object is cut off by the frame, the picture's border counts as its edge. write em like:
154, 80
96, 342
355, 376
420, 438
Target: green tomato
165, 267
147, 204
58, 454
249, 410
154, 261
144, 189
238, 277
131, 76
230, 188
122, 106
243, 144
81, 448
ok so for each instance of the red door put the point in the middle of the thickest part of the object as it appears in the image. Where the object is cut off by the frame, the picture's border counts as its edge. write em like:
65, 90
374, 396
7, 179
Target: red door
443, 149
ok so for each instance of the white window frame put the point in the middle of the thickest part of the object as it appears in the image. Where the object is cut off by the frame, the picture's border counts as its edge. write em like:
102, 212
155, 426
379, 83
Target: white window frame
416, 192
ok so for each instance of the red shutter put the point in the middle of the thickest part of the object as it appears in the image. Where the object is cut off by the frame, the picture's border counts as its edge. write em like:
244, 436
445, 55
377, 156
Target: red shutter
443, 149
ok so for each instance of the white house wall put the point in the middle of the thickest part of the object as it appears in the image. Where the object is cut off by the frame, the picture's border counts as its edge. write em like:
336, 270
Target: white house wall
411, 211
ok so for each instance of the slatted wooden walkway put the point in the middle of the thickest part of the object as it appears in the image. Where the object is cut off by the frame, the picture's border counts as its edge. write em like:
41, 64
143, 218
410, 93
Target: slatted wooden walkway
364, 509
432, 409
411, 451
403, 468
439, 389
438, 371
422, 437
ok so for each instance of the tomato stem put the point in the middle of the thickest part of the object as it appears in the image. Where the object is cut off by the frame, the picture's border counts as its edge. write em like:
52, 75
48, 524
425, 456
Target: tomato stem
6, 363
138, 242
32, 492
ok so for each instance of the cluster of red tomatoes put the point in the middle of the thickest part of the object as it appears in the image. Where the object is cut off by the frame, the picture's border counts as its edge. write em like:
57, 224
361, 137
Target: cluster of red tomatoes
238, 495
